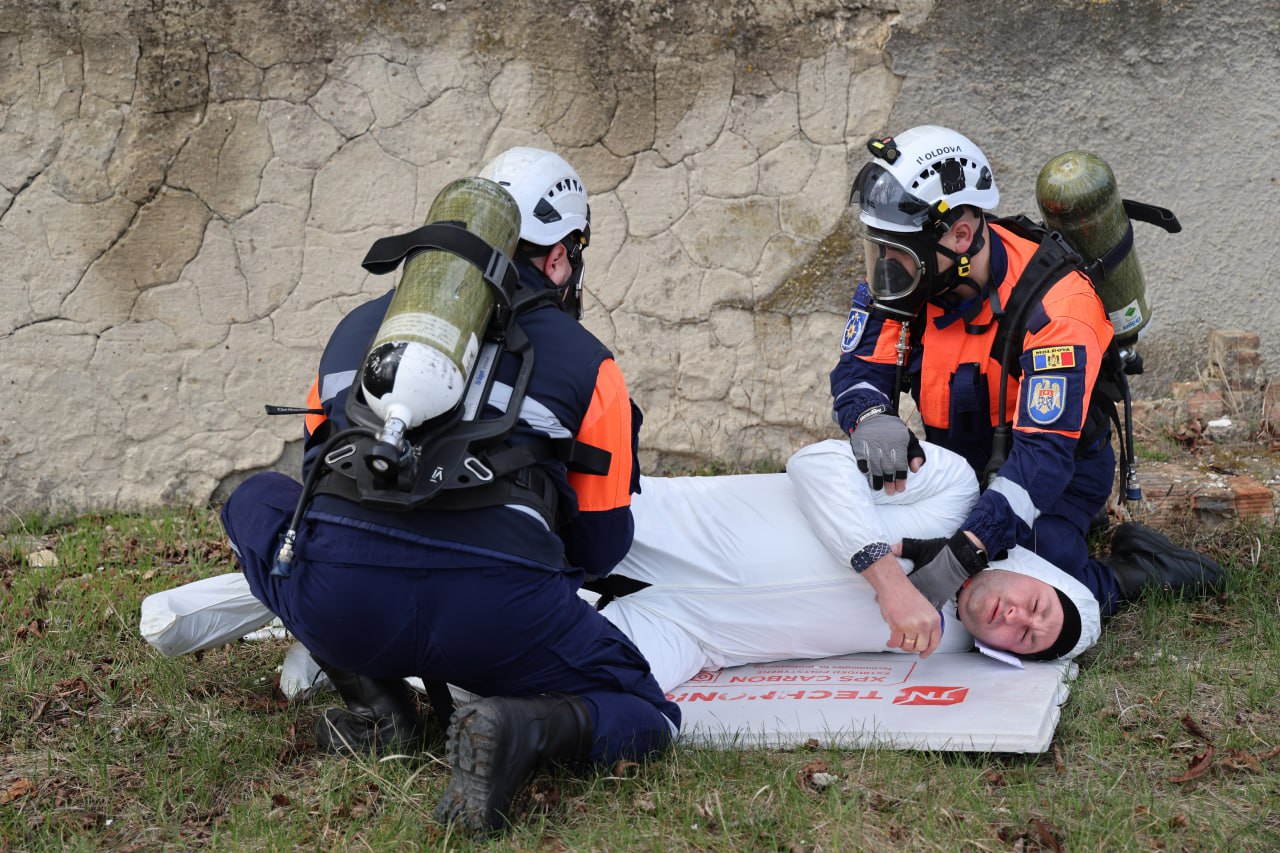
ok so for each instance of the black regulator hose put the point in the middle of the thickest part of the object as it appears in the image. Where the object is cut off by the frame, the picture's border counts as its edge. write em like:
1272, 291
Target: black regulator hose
283, 565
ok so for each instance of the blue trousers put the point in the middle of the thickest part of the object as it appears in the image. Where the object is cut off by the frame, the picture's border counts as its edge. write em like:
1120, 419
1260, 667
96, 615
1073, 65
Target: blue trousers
371, 602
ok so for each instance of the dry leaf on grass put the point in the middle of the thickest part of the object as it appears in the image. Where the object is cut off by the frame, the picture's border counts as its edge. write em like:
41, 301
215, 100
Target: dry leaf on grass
19, 788
1194, 728
544, 795
1200, 764
1238, 759
1039, 836
622, 769
34, 628
1046, 835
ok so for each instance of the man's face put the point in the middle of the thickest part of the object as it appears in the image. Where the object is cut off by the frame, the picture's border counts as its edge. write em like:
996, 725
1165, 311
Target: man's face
1010, 611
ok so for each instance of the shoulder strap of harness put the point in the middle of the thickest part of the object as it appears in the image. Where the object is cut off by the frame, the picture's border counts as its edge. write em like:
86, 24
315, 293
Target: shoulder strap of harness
1053, 259
387, 253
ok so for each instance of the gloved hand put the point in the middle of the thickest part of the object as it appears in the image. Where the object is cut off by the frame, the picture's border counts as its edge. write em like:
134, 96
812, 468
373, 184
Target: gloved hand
884, 446
942, 565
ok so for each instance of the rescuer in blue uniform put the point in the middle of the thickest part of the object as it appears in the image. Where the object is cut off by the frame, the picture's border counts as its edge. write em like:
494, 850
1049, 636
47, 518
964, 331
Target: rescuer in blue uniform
939, 277
483, 598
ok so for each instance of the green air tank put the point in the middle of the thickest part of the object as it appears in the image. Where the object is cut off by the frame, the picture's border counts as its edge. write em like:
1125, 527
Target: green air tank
423, 353
1077, 196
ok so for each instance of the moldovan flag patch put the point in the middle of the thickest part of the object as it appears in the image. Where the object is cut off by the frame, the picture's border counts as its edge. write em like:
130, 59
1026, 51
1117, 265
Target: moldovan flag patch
1053, 358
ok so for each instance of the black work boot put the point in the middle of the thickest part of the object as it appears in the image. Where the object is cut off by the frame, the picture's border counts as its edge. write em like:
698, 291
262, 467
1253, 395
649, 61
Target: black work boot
496, 744
381, 715
1145, 559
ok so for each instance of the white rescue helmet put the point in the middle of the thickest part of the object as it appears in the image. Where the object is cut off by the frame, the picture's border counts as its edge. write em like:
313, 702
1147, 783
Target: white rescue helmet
919, 175
551, 197
914, 189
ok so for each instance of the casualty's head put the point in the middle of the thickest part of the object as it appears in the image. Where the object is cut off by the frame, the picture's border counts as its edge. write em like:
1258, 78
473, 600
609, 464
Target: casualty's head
1031, 608
918, 188
555, 219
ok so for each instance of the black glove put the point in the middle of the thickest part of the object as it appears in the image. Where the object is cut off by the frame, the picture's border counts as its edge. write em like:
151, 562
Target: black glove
943, 565
884, 447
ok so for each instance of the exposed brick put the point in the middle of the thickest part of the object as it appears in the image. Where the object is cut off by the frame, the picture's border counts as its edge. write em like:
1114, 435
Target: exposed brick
1234, 356
1174, 495
1206, 405
1253, 499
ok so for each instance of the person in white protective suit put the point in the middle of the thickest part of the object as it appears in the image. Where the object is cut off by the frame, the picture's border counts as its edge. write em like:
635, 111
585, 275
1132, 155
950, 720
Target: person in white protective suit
757, 567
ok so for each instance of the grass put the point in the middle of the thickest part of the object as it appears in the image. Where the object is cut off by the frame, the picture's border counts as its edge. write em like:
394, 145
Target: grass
107, 745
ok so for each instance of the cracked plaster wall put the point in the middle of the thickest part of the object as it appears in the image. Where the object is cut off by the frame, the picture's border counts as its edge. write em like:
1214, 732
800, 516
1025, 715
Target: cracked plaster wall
187, 188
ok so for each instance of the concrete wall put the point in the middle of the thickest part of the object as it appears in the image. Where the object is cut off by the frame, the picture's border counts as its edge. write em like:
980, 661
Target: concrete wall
187, 188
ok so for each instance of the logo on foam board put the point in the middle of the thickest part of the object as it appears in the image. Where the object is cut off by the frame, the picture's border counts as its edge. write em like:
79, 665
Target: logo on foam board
924, 695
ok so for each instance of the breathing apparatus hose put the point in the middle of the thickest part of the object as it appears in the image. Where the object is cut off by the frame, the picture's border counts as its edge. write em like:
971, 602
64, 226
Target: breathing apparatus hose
1001, 435
1132, 488
903, 347
283, 565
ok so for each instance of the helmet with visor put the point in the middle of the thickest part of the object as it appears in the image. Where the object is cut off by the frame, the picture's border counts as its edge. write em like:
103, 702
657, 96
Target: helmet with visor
908, 197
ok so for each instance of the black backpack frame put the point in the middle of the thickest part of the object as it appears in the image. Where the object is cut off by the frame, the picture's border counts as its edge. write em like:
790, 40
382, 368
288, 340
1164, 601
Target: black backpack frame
1053, 259
460, 460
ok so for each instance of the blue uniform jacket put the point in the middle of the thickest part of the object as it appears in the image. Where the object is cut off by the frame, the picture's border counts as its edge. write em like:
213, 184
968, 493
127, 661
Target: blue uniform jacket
575, 390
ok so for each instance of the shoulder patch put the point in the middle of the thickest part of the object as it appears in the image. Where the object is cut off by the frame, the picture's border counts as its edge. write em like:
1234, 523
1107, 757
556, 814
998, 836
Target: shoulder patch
858, 315
1047, 399
1053, 358
853, 329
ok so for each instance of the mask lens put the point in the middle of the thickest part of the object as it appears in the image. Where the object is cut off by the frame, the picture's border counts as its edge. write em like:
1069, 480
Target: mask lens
893, 276
892, 271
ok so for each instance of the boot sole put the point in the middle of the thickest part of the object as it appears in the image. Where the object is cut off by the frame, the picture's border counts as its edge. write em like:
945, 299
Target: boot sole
471, 750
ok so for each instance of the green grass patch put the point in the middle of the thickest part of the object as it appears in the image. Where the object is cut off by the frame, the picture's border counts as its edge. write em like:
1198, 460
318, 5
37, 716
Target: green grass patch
1169, 739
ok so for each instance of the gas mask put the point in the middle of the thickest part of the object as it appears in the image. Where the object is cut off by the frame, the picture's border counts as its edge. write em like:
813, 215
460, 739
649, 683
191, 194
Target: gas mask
902, 271
895, 273
902, 255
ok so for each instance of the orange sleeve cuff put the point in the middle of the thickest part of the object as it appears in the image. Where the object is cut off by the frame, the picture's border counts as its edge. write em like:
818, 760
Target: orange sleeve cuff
607, 425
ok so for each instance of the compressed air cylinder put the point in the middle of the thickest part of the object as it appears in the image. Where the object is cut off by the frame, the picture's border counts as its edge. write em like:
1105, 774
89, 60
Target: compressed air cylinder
422, 355
1077, 196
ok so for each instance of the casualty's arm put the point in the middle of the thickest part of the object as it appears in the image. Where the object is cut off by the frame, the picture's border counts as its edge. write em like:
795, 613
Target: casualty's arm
850, 521
600, 535
915, 626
